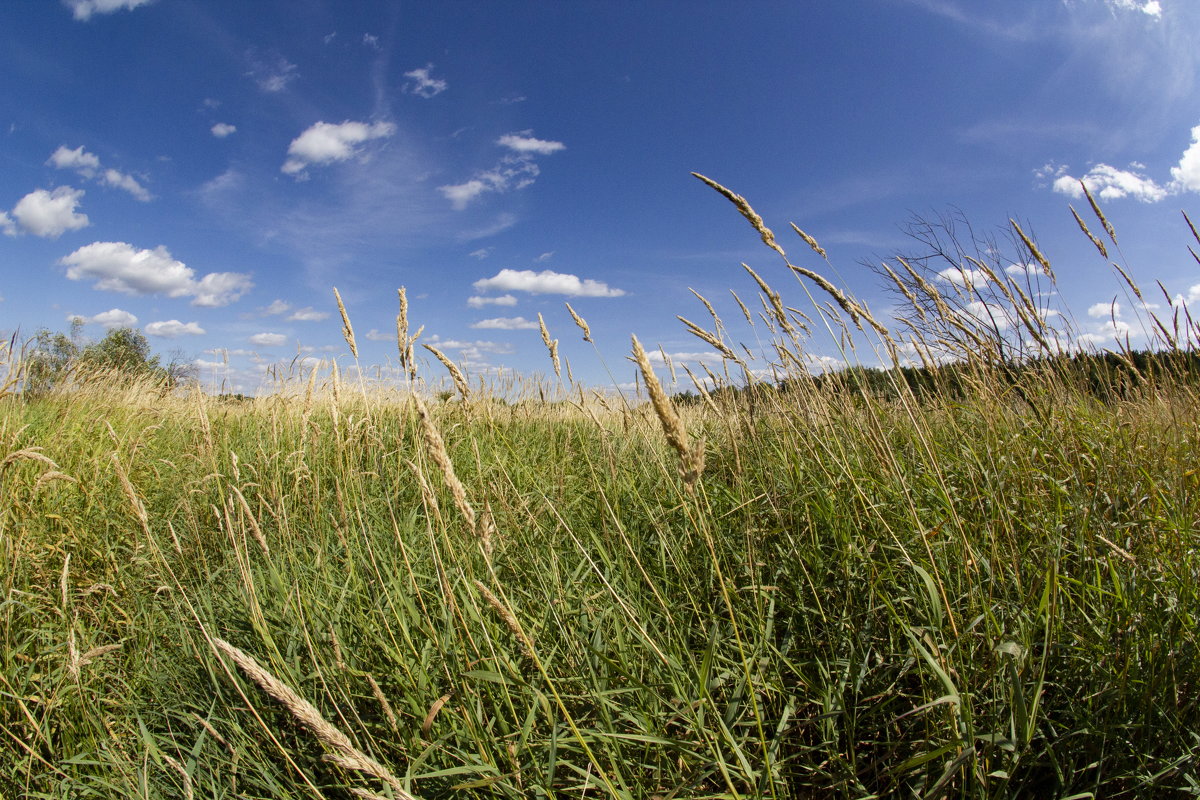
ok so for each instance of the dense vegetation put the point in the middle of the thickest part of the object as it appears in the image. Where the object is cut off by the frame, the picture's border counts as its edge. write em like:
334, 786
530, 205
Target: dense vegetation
980, 580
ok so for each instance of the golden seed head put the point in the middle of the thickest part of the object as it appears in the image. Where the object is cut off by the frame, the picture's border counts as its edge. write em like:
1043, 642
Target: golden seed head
347, 330
581, 322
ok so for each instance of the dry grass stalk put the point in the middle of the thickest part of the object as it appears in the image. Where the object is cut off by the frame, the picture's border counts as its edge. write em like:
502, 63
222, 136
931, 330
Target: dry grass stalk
437, 451
746, 211
709, 339
1108, 228
1137, 292
251, 522
776, 308
139, 508
551, 345
712, 312
28, 454
1099, 245
811, 242
742, 306
460, 380
383, 703
581, 322
50, 476
188, 792
346, 754
1033, 248
347, 330
699, 384
510, 620
904, 290
691, 457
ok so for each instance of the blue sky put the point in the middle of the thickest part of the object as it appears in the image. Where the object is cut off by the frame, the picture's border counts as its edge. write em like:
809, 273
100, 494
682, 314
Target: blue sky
207, 170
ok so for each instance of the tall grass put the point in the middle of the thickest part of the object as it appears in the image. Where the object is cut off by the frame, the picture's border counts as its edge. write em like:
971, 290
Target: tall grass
985, 589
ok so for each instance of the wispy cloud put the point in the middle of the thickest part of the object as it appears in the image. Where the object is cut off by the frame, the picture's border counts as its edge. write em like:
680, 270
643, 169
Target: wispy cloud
308, 314
546, 282
272, 73
423, 84
514, 171
84, 9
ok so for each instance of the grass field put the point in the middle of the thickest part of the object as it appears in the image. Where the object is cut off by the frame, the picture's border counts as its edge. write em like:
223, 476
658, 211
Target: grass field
986, 589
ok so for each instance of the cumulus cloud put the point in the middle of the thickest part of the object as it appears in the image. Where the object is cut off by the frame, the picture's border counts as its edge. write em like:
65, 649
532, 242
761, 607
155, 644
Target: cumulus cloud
325, 143
1104, 310
84, 9
88, 165
1186, 176
83, 162
172, 328
223, 129
506, 324
1109, 183
7, 225
502, 300
514, 171
48, 214
545, 282
268, 339
423, 84
276, 307
308, 314
120, 267
113, 318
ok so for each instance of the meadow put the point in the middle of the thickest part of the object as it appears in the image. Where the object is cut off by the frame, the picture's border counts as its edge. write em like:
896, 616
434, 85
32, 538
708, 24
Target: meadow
973, 577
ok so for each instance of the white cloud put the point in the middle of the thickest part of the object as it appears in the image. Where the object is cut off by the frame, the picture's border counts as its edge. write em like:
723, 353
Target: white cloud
1023, 270
1186, 176
1109, 183
506, 324
481, 253
88, 165
120, 267
127, 182
545, 282
423, 83
169, 329
50, 214
1104, 310
524, 143
113, 318
1151, 8
7, 225
83, 9
707, 356
325, 143
223, 129
268, 339
276, 307
502, 300
512, 172
964, 278
218, 289
83, 162
376, 335
989, 315
272, 76
308, 314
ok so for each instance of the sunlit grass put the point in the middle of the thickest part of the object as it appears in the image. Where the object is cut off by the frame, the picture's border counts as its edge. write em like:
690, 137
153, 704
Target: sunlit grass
987, 588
